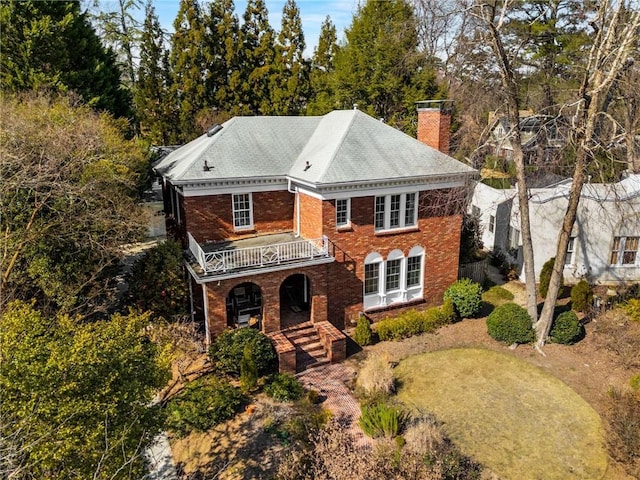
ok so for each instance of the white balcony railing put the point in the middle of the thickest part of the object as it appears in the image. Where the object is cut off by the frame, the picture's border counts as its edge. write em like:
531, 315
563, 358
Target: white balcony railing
233, 259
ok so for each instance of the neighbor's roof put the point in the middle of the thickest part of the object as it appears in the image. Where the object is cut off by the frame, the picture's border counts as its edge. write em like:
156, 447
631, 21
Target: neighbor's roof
344, 146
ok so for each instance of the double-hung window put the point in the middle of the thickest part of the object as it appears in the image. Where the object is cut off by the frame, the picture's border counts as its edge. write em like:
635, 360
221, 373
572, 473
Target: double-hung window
371, 278
571, 250
624, 250
414, 271
392, 280
492, 223
342, 212
242, 212
395, 211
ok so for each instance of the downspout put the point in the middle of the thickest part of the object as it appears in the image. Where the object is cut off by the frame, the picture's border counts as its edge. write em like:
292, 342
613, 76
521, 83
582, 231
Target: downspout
296, 192
205, 302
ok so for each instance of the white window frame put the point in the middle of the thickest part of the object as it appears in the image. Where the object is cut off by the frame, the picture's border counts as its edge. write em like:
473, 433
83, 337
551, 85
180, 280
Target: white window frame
514, 238
383, 213
624, 248
492, 223
570, 258
347, 212
400, 291
236, 227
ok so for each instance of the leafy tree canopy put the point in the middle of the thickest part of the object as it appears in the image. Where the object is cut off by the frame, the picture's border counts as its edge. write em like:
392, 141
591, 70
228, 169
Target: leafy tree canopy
75, 395
68, 201
52, 45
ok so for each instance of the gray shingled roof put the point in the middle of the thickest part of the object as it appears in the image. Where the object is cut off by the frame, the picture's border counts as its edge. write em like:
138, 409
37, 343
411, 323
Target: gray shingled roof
341, 147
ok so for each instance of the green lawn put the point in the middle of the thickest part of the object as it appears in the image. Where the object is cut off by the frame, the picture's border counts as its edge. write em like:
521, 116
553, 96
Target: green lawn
509, 415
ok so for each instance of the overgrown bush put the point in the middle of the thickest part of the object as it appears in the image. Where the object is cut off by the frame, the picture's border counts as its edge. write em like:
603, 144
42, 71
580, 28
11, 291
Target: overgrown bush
581, 296
497, 295
248, 369
376, 377
227, 350
545, 277
632, 308
363, 334
203, 404
382, 420
410, 323
566, 329
466, 296
284, 387
510, 323
157, 281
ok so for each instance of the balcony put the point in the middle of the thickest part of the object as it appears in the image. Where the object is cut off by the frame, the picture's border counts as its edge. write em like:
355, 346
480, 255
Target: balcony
262, 253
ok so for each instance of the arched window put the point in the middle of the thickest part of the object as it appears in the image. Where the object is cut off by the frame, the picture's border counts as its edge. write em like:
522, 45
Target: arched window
372, 274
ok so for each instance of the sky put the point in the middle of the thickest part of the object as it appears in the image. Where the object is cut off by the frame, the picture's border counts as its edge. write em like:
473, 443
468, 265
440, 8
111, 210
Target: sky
312, 14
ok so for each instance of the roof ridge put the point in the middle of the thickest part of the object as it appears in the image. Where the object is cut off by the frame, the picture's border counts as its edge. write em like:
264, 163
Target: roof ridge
339, 144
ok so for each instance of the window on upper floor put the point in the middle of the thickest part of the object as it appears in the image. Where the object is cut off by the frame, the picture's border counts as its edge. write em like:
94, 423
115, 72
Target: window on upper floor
242, 211
624, 250
343, 212
492, 223
571, 251
395, 211
514, 238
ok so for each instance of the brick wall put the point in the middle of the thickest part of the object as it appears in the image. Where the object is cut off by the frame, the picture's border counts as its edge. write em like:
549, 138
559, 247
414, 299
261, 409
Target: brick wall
210, 217
439, 236
311, 211
269, 284
433, 128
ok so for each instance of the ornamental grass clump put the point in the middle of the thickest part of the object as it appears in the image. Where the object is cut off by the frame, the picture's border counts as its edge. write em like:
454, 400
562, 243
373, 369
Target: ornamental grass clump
510, 323
376, 377
382, 420
466, 296
566, 329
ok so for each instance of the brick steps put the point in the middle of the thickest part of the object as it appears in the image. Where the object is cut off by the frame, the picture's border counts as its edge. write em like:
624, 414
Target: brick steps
310, 352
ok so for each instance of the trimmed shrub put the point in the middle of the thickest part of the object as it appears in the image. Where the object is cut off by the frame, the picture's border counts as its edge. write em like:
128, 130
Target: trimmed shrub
409, 323
566, 329
466, 297
284, 387
510, 323
581, 296
203, 404
545, 277
376, 377
248, 369
448, 311
382, 420
632, 308
228, 348
363, 334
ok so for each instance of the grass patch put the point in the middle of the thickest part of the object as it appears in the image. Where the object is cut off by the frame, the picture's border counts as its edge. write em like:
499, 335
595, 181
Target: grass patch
508, 415
497, 296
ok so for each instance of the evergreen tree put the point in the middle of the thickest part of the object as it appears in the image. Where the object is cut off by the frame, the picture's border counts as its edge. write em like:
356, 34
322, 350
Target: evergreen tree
381, 68
187, 64
222, 33
322, 66
256, 57
52, 45
150, 89
290, 76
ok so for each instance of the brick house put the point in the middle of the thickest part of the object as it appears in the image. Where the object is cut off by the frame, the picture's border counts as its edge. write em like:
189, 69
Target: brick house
313, 221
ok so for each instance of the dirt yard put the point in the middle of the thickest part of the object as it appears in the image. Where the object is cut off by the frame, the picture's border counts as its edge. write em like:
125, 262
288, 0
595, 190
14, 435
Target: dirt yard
602, 363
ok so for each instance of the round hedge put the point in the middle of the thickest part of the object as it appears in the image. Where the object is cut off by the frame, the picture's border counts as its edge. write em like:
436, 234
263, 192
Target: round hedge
466, 297
566, 329
510, 323
228, 348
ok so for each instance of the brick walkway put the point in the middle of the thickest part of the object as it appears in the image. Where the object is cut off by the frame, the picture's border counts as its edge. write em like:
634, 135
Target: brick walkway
332, 381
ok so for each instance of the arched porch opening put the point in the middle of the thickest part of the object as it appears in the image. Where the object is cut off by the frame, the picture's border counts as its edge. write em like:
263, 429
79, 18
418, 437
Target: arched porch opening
295, 300
244, 306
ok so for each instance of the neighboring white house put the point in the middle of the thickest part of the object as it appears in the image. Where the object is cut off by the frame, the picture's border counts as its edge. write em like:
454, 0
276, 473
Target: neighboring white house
605, 242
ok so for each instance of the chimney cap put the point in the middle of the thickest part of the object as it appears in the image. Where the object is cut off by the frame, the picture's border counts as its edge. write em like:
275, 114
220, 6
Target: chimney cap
445, 106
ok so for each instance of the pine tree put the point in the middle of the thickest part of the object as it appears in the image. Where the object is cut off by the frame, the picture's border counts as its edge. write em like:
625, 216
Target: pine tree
150, 89
187, 64
52, 45
290, 74
222, 33
322, 66
256, 56
381, 68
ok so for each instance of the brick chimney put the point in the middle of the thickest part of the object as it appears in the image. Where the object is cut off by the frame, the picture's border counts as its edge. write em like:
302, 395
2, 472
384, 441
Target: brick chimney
434, 123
